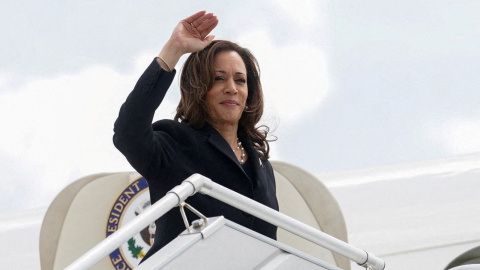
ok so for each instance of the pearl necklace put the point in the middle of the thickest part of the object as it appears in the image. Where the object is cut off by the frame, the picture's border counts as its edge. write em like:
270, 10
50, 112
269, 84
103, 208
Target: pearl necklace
242, 151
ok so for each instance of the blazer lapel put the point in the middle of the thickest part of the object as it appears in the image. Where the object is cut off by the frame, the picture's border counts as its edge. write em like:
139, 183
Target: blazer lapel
254, 158
217, 141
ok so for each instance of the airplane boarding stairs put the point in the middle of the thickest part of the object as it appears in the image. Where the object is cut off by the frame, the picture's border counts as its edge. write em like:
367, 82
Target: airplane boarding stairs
217, 243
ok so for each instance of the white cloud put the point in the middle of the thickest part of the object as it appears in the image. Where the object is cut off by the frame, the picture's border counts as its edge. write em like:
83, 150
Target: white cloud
457, 136
306, 11
61, 128
294, 77
3, 80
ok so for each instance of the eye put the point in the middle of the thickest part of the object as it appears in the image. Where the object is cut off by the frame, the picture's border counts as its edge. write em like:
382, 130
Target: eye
241, 81
219, 78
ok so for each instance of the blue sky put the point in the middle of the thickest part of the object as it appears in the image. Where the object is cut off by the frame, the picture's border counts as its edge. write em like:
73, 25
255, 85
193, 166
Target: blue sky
347, 84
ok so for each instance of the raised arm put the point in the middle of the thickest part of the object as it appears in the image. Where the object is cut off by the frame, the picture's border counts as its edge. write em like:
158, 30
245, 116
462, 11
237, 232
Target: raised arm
134, 135
190, 35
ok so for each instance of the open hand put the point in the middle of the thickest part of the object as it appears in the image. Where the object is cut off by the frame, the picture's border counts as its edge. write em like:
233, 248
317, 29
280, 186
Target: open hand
192, 33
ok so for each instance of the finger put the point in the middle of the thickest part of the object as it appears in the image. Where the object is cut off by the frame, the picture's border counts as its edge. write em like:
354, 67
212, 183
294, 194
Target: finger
208, 26
195, 16
197, 22
205, 23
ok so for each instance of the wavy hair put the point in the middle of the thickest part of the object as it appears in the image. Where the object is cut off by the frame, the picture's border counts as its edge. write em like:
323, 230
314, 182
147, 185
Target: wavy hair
197, 78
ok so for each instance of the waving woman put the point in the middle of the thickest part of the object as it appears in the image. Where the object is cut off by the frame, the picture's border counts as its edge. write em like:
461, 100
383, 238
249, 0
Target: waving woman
214, 131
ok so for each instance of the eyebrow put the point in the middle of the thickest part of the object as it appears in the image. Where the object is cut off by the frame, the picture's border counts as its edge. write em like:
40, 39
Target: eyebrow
224, 72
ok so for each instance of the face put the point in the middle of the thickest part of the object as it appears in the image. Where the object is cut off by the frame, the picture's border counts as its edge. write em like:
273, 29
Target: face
228, 96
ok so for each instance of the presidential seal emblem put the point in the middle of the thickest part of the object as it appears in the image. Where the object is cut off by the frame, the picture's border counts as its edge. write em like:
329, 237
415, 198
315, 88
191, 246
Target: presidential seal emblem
133, 200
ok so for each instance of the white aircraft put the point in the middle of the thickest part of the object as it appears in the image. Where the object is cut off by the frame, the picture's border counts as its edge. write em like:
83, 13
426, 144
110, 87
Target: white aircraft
412, 216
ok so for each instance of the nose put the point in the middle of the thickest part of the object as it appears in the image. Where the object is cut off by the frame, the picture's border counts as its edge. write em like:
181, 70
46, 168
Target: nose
230, 87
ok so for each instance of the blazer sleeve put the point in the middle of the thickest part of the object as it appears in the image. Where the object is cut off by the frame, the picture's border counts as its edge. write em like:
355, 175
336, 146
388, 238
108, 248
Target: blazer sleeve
133, 133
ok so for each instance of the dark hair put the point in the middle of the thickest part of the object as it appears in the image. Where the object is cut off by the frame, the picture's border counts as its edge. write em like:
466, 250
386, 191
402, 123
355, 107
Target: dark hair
197, 78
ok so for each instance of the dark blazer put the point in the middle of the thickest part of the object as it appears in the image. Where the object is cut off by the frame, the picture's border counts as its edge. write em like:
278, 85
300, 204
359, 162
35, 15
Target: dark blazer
167, 152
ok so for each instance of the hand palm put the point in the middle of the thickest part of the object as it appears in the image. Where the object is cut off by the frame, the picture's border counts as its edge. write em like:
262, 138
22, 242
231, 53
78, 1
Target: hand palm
192, 32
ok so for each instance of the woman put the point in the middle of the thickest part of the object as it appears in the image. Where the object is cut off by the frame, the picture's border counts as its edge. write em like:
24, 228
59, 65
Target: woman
213, 133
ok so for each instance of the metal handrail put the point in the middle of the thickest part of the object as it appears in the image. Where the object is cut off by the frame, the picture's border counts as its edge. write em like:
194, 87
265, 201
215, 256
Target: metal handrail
198, 183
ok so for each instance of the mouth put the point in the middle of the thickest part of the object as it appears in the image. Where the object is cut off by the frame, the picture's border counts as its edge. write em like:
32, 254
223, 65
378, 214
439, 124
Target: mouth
229, 103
